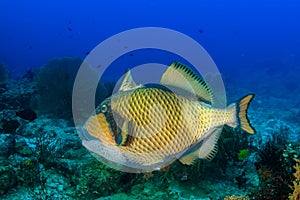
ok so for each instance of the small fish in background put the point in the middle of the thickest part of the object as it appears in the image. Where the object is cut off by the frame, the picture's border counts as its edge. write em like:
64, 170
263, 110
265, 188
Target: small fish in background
200, 30
70, 26
243, 154
27, 114
147, 127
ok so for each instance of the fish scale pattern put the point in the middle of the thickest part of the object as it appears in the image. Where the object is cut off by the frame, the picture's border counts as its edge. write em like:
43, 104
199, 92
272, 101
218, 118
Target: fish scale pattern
162, 123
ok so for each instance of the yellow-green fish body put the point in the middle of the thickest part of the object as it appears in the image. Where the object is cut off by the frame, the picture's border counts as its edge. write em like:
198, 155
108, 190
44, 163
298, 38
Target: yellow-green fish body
151, 126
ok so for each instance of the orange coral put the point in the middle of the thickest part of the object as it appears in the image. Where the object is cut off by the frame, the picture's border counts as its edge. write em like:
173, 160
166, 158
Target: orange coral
296, 182
236, 198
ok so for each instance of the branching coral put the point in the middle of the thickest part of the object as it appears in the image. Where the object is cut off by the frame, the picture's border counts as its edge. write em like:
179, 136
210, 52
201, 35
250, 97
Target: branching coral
47, 148
273, 173
296, 183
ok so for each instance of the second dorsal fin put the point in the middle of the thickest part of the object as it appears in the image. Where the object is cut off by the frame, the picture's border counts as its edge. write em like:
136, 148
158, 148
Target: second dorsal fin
181, 76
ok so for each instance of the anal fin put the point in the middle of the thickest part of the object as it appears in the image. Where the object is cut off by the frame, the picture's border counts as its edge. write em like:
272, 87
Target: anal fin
190, 158
207, 149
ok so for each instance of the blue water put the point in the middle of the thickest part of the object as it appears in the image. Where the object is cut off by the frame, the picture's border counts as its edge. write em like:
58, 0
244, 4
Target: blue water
237, 34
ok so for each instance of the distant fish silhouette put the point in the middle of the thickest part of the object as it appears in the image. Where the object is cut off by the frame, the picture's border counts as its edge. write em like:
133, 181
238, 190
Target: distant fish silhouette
70, 29
27, 114
87, 53
200, 30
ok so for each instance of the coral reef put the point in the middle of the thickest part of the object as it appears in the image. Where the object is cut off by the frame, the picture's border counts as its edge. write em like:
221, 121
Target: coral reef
44, 158
18, 95
96, 180
274, 173
8, 179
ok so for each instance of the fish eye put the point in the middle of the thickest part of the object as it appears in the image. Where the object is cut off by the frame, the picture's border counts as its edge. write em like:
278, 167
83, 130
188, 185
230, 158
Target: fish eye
103, 108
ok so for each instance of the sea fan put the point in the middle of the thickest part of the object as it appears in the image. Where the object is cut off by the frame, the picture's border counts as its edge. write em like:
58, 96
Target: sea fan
3, 74
54, 83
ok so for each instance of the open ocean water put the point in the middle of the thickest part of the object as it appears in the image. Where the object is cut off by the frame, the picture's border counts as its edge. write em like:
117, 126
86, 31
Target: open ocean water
48, 92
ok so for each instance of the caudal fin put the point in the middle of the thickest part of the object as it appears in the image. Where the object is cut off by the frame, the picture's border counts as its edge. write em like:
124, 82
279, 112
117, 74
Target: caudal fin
241, 114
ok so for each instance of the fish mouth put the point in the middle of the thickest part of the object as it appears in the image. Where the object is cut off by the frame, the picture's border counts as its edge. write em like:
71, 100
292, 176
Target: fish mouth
97, 128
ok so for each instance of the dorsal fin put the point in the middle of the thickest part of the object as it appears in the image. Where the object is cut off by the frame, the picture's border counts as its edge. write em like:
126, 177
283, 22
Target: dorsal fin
127, 82
181, 76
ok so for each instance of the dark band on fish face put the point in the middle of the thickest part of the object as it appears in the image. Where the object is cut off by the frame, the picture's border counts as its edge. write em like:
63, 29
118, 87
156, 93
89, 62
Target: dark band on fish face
105, 109
113, 120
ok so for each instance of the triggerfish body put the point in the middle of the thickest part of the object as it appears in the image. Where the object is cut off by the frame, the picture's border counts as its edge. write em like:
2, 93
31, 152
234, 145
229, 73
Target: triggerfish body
147, 127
